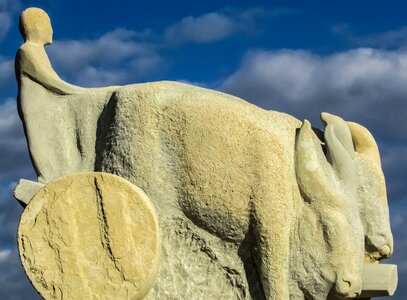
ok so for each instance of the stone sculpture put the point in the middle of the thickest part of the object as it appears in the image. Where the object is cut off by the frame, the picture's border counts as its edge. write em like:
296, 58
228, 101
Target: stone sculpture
254, 202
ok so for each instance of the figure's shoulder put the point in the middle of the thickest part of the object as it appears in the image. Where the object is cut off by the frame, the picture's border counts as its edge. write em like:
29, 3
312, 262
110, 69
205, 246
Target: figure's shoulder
32, 55
29, 49
24, 57
23, 52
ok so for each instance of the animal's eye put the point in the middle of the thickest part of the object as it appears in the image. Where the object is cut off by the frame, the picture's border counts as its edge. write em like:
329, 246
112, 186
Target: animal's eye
329, 235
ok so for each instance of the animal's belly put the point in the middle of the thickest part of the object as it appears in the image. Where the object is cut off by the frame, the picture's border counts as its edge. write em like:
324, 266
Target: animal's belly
213, 216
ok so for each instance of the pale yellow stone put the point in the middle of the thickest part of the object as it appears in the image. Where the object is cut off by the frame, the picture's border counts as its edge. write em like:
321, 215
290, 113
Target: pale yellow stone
379, 280
25, 190
237, 177
90, 236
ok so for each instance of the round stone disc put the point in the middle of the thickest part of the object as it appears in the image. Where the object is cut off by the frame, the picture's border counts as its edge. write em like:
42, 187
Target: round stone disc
90, 236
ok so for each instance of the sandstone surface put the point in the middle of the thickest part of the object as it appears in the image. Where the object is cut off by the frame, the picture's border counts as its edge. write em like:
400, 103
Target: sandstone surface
90, 236
251, 203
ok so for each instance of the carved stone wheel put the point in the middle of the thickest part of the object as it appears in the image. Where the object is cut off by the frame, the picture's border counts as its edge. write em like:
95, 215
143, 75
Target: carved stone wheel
90, 236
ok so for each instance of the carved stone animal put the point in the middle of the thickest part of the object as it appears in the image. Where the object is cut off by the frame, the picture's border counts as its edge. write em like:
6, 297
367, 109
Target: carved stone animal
234, 169
230, 167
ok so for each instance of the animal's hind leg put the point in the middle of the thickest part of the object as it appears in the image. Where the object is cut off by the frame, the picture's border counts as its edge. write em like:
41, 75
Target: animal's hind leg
272, 223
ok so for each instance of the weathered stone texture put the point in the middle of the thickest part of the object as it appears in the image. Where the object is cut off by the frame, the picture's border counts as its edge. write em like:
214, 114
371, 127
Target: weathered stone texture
90, 236
251, 203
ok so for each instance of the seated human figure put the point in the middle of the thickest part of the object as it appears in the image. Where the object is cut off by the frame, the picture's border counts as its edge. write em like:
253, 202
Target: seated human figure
51, 109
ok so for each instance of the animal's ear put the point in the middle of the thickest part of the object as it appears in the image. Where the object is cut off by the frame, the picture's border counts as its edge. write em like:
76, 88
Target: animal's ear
340, 150
315, 176
364, 143
320, 177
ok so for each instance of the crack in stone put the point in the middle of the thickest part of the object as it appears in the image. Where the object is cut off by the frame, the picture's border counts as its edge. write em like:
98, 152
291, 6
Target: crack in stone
105, 228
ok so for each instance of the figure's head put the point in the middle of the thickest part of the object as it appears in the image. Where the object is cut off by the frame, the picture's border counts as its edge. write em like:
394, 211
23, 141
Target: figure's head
35, 26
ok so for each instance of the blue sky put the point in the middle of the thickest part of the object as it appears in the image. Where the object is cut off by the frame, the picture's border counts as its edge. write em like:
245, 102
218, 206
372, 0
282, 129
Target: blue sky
301, 57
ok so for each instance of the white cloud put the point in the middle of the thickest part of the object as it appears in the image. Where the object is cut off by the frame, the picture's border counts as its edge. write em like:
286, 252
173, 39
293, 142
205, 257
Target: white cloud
215, 26
114, 58
4, 255
207, 28
394, 160
6, 71
388, 39
391, 38
13, 282
14, 158
364, 85
9, 121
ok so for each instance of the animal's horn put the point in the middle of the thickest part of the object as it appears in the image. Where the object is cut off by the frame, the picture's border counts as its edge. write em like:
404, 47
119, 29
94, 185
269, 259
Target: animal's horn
339, 143
364, 142
342, 131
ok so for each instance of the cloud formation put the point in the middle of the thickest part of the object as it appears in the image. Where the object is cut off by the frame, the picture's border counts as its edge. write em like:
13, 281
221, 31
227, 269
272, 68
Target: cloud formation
213, 26
391, 39
6, 71
117, 57
394, 160
4, 255
364, 85
14, 158
15, 164
13, 282
125, 56
207, 28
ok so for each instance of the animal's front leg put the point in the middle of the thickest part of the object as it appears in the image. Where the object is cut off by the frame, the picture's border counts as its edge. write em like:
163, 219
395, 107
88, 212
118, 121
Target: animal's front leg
272, 231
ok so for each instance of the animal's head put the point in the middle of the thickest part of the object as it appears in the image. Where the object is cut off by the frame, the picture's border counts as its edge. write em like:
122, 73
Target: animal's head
372, 194
371, 188
327, 182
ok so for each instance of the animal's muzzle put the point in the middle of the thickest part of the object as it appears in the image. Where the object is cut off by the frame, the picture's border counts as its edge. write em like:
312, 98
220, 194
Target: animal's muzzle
348, 287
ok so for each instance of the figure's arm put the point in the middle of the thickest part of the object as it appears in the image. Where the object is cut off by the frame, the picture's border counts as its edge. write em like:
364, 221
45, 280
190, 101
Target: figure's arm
33, 61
